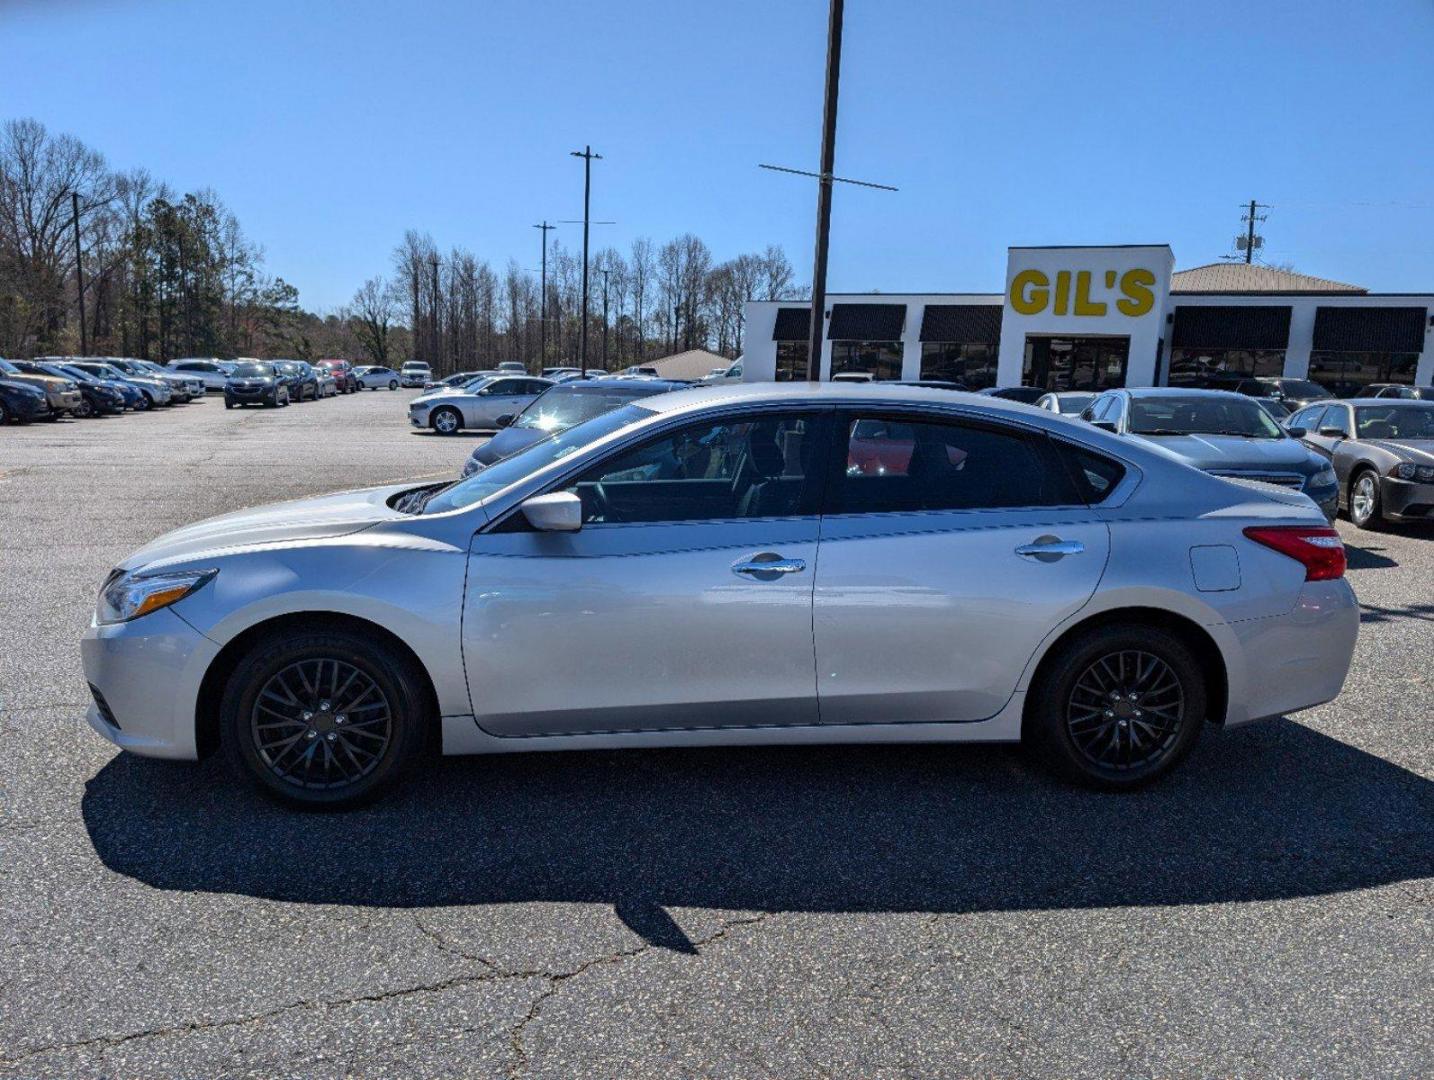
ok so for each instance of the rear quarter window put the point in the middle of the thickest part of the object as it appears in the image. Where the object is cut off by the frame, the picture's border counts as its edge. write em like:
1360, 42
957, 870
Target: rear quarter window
1095, 475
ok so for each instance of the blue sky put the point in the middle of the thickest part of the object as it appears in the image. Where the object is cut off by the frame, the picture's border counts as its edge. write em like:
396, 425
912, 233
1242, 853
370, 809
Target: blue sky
329, 127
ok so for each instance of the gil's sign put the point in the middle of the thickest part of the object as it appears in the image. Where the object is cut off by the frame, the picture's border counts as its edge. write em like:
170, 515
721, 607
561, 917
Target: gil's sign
1069, 292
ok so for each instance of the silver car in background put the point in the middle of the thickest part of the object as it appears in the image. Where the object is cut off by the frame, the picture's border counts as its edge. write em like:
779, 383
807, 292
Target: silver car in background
748, 564
479, 405
211, 371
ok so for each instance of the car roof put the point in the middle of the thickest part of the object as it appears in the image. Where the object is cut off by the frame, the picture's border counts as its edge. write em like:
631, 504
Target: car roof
633, 386
1177, 391
837, 393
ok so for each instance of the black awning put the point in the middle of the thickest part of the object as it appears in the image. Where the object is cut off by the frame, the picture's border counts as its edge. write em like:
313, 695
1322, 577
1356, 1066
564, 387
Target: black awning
1233, 326
793, 324
1370, 329
867, 322
962, 324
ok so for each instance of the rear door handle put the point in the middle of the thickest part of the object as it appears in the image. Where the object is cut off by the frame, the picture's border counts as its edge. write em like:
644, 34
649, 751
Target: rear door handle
1050, 548
768, 566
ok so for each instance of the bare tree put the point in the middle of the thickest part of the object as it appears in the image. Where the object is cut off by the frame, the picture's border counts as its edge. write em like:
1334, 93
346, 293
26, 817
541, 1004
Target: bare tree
642, 272
374, 305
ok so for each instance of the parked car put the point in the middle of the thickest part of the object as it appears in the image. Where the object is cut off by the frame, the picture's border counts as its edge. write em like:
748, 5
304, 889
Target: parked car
299, 377
557, 373
63, 395
1026, 395
1083, 592
1220, 432
456, 380
1067, 402
476, 406
414, 373
732, 373
376, 378
211, 371
558, 408
328, 385
343, 373
1399, 390
97, 397
1381, 451
183, 388
257, 382
1296, 393
156, 391
853, 377
515, 366
1279, 411
130, 394
641, 369
21, 402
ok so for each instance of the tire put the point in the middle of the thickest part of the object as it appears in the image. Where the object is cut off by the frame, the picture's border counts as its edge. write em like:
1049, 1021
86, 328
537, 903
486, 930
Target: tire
282, 398
386, 717
446, 420
85, 410
229, 404
5, 415
393, 384
147, 403
1365, 509
1078, 725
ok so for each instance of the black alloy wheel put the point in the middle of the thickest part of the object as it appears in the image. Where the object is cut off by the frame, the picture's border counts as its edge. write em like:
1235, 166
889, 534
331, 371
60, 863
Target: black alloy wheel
6, 417
1117, 706
323, 718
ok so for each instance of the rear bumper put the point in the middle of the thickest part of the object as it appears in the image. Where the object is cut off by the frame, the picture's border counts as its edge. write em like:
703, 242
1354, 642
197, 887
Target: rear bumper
1293, 661
1406, 500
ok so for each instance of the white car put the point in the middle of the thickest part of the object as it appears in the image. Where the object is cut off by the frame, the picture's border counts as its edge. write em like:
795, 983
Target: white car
376, 378
415, 373
735, 565
212, 372
480, 405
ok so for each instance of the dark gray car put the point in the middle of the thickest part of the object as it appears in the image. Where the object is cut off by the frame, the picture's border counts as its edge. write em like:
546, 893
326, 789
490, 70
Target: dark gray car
1219, 432
1382, 451
558, 409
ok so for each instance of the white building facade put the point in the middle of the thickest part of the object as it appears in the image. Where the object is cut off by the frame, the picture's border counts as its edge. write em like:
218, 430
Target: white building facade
1092, 318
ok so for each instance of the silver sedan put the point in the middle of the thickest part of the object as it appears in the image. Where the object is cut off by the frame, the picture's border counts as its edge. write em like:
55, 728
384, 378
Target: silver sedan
742, 565
479, 405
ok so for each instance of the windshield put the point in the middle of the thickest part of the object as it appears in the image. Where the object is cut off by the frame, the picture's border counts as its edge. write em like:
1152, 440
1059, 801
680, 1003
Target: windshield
1404, 420
1201, 416
1070, 404
566, 406
511, 469
251, 371
1302, 388
9, 368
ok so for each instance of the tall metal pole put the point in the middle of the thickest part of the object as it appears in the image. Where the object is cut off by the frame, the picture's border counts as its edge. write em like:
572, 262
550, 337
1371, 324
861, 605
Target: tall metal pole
587, 155
606, 273
824, 192
79, 273
1250, 235
543, 303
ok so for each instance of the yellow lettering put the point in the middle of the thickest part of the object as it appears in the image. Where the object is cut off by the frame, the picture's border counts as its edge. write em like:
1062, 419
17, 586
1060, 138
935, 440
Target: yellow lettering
1063, 292
1083, 304
1030, 289
1136, 285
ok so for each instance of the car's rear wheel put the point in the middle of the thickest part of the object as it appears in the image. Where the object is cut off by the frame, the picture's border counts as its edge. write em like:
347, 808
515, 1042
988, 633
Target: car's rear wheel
6, 417
446, 420
393, 384
323, 718
85, 410
1118, 706
1364, 509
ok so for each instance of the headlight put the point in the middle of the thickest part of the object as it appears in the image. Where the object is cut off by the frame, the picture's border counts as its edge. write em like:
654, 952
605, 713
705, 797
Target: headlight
1324, 478
127, 596
1405, 470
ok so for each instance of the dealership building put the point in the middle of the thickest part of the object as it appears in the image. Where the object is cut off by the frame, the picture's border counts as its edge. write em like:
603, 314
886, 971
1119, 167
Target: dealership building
1092, 318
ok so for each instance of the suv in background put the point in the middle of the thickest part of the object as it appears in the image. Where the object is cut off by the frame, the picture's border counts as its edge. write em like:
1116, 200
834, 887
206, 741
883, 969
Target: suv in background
299, 378
63, 395
212, 372
415, 373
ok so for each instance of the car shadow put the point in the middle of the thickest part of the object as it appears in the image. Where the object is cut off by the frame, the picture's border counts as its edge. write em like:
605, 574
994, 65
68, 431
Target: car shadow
1273, 811
1375, 613
1367, 558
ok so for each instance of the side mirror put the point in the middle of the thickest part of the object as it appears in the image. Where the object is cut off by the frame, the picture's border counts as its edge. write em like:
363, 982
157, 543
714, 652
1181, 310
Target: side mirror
506, 419
559, 511
1296, 432
1104, 425
1331, 433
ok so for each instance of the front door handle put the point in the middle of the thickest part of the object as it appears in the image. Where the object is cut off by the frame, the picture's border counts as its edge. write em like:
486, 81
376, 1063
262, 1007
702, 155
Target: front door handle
768, 566
1050, 548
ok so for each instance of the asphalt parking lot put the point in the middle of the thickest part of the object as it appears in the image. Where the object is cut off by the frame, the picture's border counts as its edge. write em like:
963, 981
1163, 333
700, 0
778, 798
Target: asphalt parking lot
790, 913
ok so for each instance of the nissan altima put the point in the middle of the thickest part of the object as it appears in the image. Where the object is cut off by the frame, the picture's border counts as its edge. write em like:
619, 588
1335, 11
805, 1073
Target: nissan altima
715, 570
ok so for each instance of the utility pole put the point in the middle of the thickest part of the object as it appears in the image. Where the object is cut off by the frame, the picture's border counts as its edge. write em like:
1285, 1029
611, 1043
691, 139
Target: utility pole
1249, 242
825, 178
543, 303
437, 350
586, 153
79, 273
606, 273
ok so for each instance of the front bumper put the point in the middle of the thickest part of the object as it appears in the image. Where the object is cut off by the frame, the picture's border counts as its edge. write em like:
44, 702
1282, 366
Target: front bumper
1406, 500
251, 395
418, 417
148, 672
65, 400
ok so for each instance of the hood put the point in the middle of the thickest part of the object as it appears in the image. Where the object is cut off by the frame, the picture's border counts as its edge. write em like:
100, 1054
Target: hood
1232, 452
508, 441
303, 519
438, 392
13, 382
1417, 451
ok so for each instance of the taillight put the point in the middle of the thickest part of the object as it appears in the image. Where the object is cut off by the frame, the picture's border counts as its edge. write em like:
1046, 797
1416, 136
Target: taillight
1317, 547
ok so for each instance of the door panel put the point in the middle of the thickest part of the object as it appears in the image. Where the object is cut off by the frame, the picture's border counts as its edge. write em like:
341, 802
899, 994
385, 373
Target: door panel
630, 627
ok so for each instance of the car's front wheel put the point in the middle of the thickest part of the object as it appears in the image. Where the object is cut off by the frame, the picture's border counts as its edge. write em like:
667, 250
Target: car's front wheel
323, 718
1118, 706
446, 420
1364, 508
6, 417
393, 384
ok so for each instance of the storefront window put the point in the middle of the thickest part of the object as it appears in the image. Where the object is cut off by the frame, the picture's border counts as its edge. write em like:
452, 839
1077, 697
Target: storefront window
1218, 367
972, 364
1346, 374
882, 359
791, 361
1061, 364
